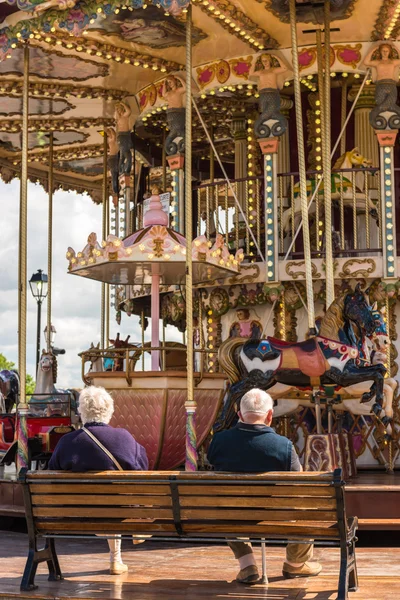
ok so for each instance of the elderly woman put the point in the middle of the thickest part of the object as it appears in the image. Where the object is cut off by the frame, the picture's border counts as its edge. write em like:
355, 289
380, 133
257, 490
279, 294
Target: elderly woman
99, 447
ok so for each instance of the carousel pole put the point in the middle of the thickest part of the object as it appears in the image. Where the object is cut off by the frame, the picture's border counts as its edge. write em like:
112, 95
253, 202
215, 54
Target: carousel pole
302, 169
22, 452
326, 157
190, 405
103, 340
50, 242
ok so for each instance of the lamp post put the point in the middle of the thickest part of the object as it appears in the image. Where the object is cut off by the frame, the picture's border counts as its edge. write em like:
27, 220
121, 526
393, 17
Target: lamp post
38, 285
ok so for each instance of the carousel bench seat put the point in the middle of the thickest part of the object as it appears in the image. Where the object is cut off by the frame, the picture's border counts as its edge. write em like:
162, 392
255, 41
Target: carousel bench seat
184, 506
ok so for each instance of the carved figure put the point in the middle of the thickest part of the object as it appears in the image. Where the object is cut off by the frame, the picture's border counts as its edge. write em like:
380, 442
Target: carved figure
245, 327
113, 158
91, 247
124, 138
386, 114
55, 4
174, 92
271, 122
330, 358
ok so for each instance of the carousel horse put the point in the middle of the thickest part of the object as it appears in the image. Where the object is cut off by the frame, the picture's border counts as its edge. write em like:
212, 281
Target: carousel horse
349, 160
9, 390
46, 400
375, 354
96, 361
327, 359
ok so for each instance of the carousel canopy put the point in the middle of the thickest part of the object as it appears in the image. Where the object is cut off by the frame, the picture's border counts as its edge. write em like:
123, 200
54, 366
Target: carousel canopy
86, 55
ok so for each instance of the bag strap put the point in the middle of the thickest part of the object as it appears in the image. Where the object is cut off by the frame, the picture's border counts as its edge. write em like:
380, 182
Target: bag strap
100, 445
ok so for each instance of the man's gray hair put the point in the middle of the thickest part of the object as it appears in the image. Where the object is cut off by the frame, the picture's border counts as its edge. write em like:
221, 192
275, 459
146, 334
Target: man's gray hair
256, 401
95, 405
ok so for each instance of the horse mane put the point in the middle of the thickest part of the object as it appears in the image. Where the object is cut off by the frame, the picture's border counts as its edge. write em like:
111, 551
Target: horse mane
55, 368
339, 162
333, 319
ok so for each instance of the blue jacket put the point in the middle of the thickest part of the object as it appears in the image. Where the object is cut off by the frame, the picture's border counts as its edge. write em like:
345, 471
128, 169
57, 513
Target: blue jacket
76, 451
250, 449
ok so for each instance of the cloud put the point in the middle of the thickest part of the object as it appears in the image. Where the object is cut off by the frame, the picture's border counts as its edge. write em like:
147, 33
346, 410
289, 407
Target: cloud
76, 301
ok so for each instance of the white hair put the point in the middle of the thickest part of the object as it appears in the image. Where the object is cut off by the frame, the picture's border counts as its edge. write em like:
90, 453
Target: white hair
256, 401
95, 405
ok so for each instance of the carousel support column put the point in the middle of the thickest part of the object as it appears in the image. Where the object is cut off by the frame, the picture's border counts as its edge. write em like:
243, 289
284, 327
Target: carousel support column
164, 165
364, 135
176, 165
125, 182
155, 321
269, 149
326, 157
240, 140
22, 452
283, 163
191, 440
50, 242
302, 169
386, 140
103, 340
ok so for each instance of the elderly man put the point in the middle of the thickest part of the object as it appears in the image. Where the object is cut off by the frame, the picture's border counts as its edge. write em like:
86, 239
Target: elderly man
99, 447
254, 447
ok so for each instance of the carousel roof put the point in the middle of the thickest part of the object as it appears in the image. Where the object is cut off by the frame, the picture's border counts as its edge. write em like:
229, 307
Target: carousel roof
87, 54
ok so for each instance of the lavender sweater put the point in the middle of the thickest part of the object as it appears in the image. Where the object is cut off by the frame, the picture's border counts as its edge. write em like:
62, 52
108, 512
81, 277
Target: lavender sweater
76, 451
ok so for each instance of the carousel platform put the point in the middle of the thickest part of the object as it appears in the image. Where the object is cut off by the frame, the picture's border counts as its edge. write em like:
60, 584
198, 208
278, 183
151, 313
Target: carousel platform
171, 571
373, 496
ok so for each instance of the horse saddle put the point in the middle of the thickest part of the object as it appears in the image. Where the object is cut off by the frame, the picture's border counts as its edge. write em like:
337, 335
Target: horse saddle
306, 356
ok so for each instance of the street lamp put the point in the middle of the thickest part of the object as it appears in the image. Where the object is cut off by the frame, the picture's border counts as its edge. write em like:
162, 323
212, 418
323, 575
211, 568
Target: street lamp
38, 285
53, 332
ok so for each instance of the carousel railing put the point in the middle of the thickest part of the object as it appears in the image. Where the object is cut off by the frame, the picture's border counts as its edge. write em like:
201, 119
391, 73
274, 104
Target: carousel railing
125, 360
356, 204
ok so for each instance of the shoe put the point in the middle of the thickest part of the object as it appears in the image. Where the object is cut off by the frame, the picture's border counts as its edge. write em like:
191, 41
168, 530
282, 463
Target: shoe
308, 569
117, 568
248, 575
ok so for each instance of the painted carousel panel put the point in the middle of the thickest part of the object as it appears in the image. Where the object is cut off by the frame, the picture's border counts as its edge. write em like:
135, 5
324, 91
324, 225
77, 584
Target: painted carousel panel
53, 65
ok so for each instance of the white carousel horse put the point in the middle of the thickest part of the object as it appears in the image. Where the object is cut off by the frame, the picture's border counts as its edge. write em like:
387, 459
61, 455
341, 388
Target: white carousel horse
46, 391
349, 160
96, 361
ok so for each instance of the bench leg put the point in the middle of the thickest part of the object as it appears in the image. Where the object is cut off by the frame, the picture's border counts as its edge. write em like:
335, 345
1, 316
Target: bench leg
264, 577
348, 580
35, 557
53, 564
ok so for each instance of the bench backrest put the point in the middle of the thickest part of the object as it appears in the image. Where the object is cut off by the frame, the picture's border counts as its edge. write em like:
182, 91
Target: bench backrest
170, 503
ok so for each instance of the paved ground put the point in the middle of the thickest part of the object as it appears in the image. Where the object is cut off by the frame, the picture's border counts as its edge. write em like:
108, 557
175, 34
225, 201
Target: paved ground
172, 571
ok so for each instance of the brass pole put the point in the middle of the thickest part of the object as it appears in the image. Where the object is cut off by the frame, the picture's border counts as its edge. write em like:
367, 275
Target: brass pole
326, 155
22, 459
142, 322
23, 233
50, 242
212, 160
164, 165
191, 442
104, 235
343, 110
302, 168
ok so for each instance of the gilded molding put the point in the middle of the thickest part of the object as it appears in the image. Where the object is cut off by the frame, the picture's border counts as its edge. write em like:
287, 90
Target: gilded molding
297, 274
362, 272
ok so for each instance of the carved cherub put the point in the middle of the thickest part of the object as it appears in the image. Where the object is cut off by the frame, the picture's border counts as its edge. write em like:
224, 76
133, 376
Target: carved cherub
55, 4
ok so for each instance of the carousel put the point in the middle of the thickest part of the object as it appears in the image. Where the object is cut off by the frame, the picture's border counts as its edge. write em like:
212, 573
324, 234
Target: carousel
244, 157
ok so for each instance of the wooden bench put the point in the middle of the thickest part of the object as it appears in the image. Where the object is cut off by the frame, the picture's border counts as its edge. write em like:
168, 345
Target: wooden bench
175, 505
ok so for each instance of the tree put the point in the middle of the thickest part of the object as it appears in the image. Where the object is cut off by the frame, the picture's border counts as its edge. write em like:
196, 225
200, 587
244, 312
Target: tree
8, 365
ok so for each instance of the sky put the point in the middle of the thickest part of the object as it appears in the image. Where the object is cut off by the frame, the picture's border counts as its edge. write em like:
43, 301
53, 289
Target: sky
75, 300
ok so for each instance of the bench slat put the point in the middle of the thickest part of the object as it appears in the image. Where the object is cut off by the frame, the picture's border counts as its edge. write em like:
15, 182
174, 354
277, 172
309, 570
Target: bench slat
184, 490
293, 503
93, 488
305, 530
99, 500
188, 514
155, 476
257, 490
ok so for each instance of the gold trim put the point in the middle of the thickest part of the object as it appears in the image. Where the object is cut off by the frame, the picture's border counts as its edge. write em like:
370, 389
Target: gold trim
346, 270
298, 274
242, 278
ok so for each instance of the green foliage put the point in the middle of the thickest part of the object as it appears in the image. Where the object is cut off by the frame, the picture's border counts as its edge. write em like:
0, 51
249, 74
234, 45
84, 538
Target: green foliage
8, 365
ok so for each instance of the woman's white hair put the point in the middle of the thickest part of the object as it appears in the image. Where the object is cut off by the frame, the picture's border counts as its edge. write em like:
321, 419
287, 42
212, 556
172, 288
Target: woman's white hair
256, 401
95, 405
